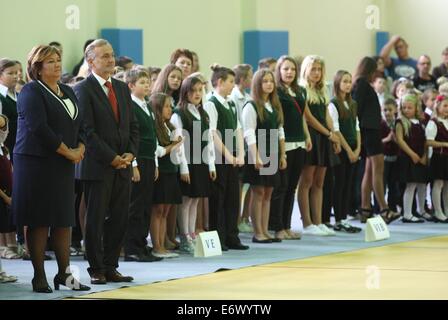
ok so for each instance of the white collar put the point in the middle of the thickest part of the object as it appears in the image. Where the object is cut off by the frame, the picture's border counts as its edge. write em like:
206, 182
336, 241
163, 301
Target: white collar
442, 120
194, 111
101, 80
240, 96
414, 121
138, 101
291, 92
4, 92
221, 100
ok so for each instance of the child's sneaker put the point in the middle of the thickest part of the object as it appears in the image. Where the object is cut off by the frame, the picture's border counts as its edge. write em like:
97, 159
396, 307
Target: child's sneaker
327, 230
314, 230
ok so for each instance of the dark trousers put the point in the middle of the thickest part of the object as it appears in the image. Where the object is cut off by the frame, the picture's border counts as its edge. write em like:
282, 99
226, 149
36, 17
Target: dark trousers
327, 195
282, 199
107, 216
140, 209
224, 204
343, 187
391, 171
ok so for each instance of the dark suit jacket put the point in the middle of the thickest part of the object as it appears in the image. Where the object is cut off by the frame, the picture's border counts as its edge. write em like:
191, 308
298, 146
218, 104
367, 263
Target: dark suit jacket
105, 138
369, 109
43, 123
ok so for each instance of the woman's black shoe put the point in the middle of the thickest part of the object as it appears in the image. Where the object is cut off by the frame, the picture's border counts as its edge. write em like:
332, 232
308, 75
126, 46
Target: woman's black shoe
255, 240
74, 284
38, 287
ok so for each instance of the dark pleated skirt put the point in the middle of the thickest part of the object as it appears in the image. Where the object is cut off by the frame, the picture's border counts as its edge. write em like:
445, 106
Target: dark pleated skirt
322, 153
256, 177
199, 186
43, 191
412, 173
439, 167
167, 189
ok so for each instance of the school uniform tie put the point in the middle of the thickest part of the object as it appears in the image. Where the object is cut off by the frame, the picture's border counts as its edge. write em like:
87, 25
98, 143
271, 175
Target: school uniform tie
113, 100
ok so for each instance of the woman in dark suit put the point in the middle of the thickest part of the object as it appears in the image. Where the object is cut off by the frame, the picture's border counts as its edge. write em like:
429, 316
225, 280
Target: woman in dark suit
47, 148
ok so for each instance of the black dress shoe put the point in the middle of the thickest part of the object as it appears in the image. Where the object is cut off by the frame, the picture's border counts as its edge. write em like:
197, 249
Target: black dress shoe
141, 258
97, 278
147, 250
255, 240
238, 246
74, 284
224, 248
41, 286
276, 240
115, 276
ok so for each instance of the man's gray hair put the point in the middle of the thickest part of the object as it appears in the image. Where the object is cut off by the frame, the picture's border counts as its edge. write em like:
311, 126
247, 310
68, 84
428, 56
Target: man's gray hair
90, 50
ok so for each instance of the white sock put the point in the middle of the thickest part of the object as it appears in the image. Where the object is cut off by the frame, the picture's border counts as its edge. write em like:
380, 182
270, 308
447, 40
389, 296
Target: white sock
192, 216
408, 199
184, 215
436, 193
421, 195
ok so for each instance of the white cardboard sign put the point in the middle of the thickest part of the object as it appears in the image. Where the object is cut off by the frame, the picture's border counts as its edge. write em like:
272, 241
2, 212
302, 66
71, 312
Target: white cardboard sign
376, 230
208, 245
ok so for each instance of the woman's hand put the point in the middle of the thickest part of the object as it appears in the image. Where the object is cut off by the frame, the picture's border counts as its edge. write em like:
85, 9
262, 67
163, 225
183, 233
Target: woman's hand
308, 144
156, 174
185, 178
283, 163
135, 175
415, 158
213, 175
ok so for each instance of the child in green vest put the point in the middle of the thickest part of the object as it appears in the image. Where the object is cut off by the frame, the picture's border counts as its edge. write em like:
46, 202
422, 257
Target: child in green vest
325, 145
145, 170
343, 112
226, 129
169, 82
297, 141
198, 165
263, 130
166, 189
243, 80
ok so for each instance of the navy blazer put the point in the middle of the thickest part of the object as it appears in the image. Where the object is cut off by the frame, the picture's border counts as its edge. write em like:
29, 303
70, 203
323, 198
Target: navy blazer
105, 138
43, 122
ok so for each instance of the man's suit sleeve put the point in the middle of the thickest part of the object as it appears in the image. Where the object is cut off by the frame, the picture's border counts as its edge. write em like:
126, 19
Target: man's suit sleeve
134, 130
94, 143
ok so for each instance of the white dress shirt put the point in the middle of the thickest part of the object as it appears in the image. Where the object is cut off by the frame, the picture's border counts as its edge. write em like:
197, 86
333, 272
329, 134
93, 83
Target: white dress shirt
249, 120
334, 114
176, 121
4, 91
103, 83
240, 99
210, 108
431, 128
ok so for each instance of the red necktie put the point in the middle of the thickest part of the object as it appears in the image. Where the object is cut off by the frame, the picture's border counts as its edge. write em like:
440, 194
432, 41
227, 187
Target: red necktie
113, 100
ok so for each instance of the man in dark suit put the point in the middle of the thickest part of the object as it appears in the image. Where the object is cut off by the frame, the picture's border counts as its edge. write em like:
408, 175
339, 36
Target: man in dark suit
111, 143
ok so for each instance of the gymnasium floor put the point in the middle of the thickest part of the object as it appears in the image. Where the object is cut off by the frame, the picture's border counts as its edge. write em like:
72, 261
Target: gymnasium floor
411, 264
408, 270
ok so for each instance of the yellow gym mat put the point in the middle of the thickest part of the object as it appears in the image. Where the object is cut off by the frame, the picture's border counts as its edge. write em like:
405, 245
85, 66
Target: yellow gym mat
407, 270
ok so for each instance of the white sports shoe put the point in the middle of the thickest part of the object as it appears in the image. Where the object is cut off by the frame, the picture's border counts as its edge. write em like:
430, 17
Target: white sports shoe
327, 230
314, 230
